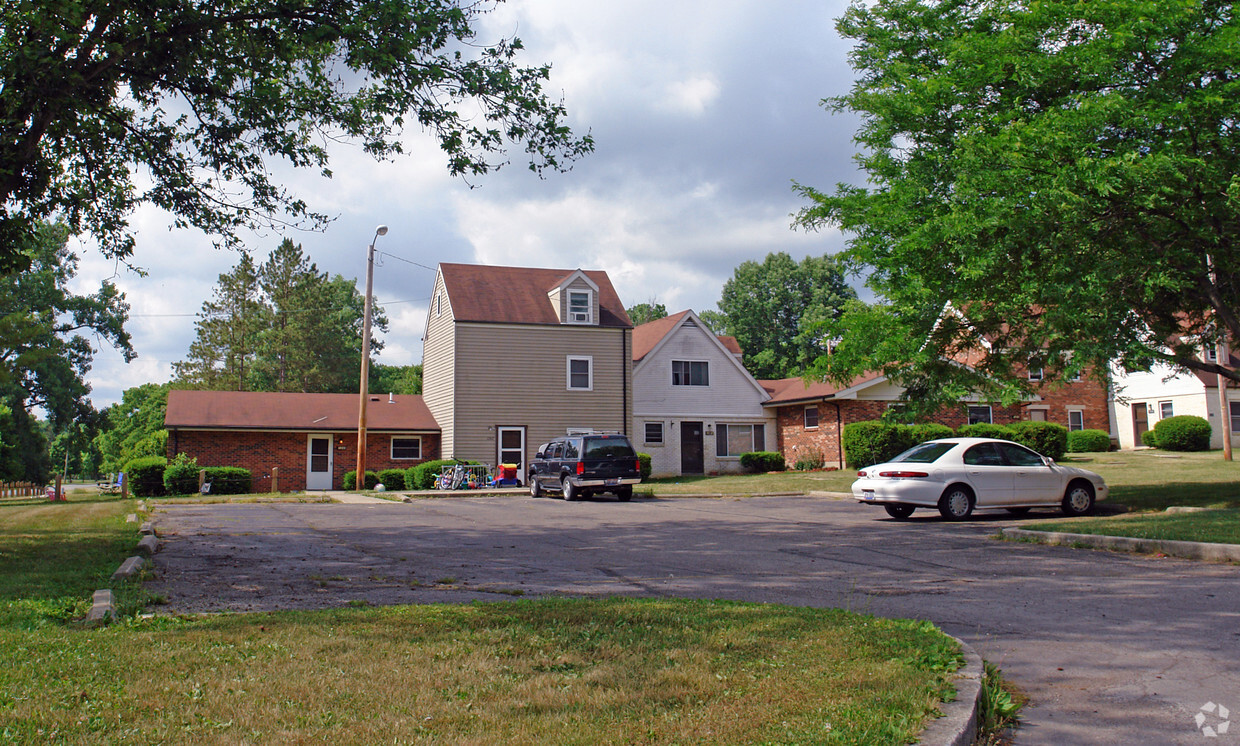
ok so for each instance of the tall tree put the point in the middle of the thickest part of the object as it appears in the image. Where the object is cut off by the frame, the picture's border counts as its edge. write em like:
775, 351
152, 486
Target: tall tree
134, 426
765, 304
203, 99
644, 313
222, 355
47, 338
281, 326
288, 280
396, 379
1064, 174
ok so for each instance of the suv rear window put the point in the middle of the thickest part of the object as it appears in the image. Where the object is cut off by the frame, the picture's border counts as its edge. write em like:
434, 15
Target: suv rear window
608, 448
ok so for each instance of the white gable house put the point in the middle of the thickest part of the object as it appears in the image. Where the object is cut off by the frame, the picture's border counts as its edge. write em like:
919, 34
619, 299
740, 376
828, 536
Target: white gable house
695, 407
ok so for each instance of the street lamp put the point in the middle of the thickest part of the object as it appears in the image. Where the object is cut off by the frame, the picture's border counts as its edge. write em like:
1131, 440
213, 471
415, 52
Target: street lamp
360, 483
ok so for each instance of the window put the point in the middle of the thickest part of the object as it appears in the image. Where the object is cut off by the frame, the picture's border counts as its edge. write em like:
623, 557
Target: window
404, 448
1076, 419
983, 454
1211, 355
686, 373
438, 304
579, 307
1035, 374
1165, 410
654, 432
1037, 415
581, 373
979, 414
1019, 455
811, 418
733, 440
1235, 416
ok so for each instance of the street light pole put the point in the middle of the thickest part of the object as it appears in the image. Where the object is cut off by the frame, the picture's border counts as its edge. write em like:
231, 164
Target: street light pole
360, 483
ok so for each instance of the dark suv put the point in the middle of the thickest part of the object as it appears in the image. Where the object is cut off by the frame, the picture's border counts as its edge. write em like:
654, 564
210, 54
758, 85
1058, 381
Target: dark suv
578, 466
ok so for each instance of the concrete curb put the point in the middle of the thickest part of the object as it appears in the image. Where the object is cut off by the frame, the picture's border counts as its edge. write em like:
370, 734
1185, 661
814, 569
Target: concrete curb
103, 603
1198, 550
129, 568
102, 609
958, 726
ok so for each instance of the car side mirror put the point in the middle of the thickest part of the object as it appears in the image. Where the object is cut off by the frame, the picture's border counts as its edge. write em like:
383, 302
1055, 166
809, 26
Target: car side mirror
539, 455
1048, 460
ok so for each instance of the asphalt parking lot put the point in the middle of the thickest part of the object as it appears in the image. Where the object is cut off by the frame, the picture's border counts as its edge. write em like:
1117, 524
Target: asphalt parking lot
1111, 648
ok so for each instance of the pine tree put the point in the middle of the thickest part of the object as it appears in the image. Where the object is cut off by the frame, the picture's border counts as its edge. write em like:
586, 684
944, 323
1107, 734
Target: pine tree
222, 356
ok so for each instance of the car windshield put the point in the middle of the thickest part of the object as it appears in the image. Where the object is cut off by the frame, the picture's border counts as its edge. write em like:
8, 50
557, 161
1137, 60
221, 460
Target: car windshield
608, 448
926, 453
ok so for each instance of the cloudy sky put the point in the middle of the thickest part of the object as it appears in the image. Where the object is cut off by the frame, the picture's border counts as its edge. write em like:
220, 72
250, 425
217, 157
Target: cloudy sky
704, 113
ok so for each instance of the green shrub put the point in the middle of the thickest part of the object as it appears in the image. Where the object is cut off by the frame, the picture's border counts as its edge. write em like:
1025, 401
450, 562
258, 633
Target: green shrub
923, 431
1183, 432
762, 461
426, 473
181, 475
229, 480
393, 480
1148, 438
643, 460
873, 442
1088, 441
145, 475
350, 479
1047, 438
984, 430
808, 460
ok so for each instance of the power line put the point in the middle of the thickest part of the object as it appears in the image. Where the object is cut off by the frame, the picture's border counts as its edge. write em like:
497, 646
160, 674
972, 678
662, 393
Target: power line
290, 310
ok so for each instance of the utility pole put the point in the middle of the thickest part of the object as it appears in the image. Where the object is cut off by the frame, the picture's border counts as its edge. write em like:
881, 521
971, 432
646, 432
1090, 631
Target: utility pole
365, 382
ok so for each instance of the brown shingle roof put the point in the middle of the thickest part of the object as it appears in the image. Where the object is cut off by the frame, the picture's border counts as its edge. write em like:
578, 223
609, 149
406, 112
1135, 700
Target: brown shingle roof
646, 336
518, 295
260, 410
792, 390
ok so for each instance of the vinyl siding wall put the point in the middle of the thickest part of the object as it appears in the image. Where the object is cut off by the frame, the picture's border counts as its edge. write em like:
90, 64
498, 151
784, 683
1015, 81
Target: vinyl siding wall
438, 362
511, 375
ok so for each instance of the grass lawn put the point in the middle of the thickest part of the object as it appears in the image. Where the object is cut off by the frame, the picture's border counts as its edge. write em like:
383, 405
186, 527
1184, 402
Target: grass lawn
529, 671
750, 484
1215, 526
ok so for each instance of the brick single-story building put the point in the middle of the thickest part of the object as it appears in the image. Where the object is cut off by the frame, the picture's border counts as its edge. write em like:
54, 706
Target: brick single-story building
810, 417
312, 438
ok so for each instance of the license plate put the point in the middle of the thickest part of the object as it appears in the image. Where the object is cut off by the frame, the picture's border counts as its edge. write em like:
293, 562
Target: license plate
867, 494
612, 482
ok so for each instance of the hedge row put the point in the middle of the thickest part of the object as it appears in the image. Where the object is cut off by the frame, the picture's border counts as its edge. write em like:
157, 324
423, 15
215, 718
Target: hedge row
763, 461
153, 476
873, 442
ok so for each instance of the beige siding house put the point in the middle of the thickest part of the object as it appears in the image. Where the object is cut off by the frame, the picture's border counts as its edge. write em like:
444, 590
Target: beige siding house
515, 356
697, 409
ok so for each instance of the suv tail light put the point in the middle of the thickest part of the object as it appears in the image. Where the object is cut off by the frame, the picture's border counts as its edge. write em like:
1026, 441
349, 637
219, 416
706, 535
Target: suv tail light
902, 474
581, 468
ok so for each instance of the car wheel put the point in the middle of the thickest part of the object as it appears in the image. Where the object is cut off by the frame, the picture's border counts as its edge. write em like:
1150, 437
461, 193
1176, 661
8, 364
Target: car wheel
956, 504
1017, 511
570, 492
899, 512
535, 487
625, 493
1079, 499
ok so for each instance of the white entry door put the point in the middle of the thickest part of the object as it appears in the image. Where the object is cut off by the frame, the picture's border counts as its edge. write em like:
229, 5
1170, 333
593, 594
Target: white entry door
510, 448
319, 462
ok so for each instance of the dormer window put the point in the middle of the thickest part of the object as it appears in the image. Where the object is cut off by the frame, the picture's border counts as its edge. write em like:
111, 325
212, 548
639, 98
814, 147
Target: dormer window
579, 307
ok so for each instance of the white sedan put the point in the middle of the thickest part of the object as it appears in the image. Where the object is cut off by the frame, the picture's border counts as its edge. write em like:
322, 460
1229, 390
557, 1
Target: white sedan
957, 475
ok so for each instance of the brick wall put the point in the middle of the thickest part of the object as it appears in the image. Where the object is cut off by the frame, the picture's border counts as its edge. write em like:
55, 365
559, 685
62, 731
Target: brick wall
260, 451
